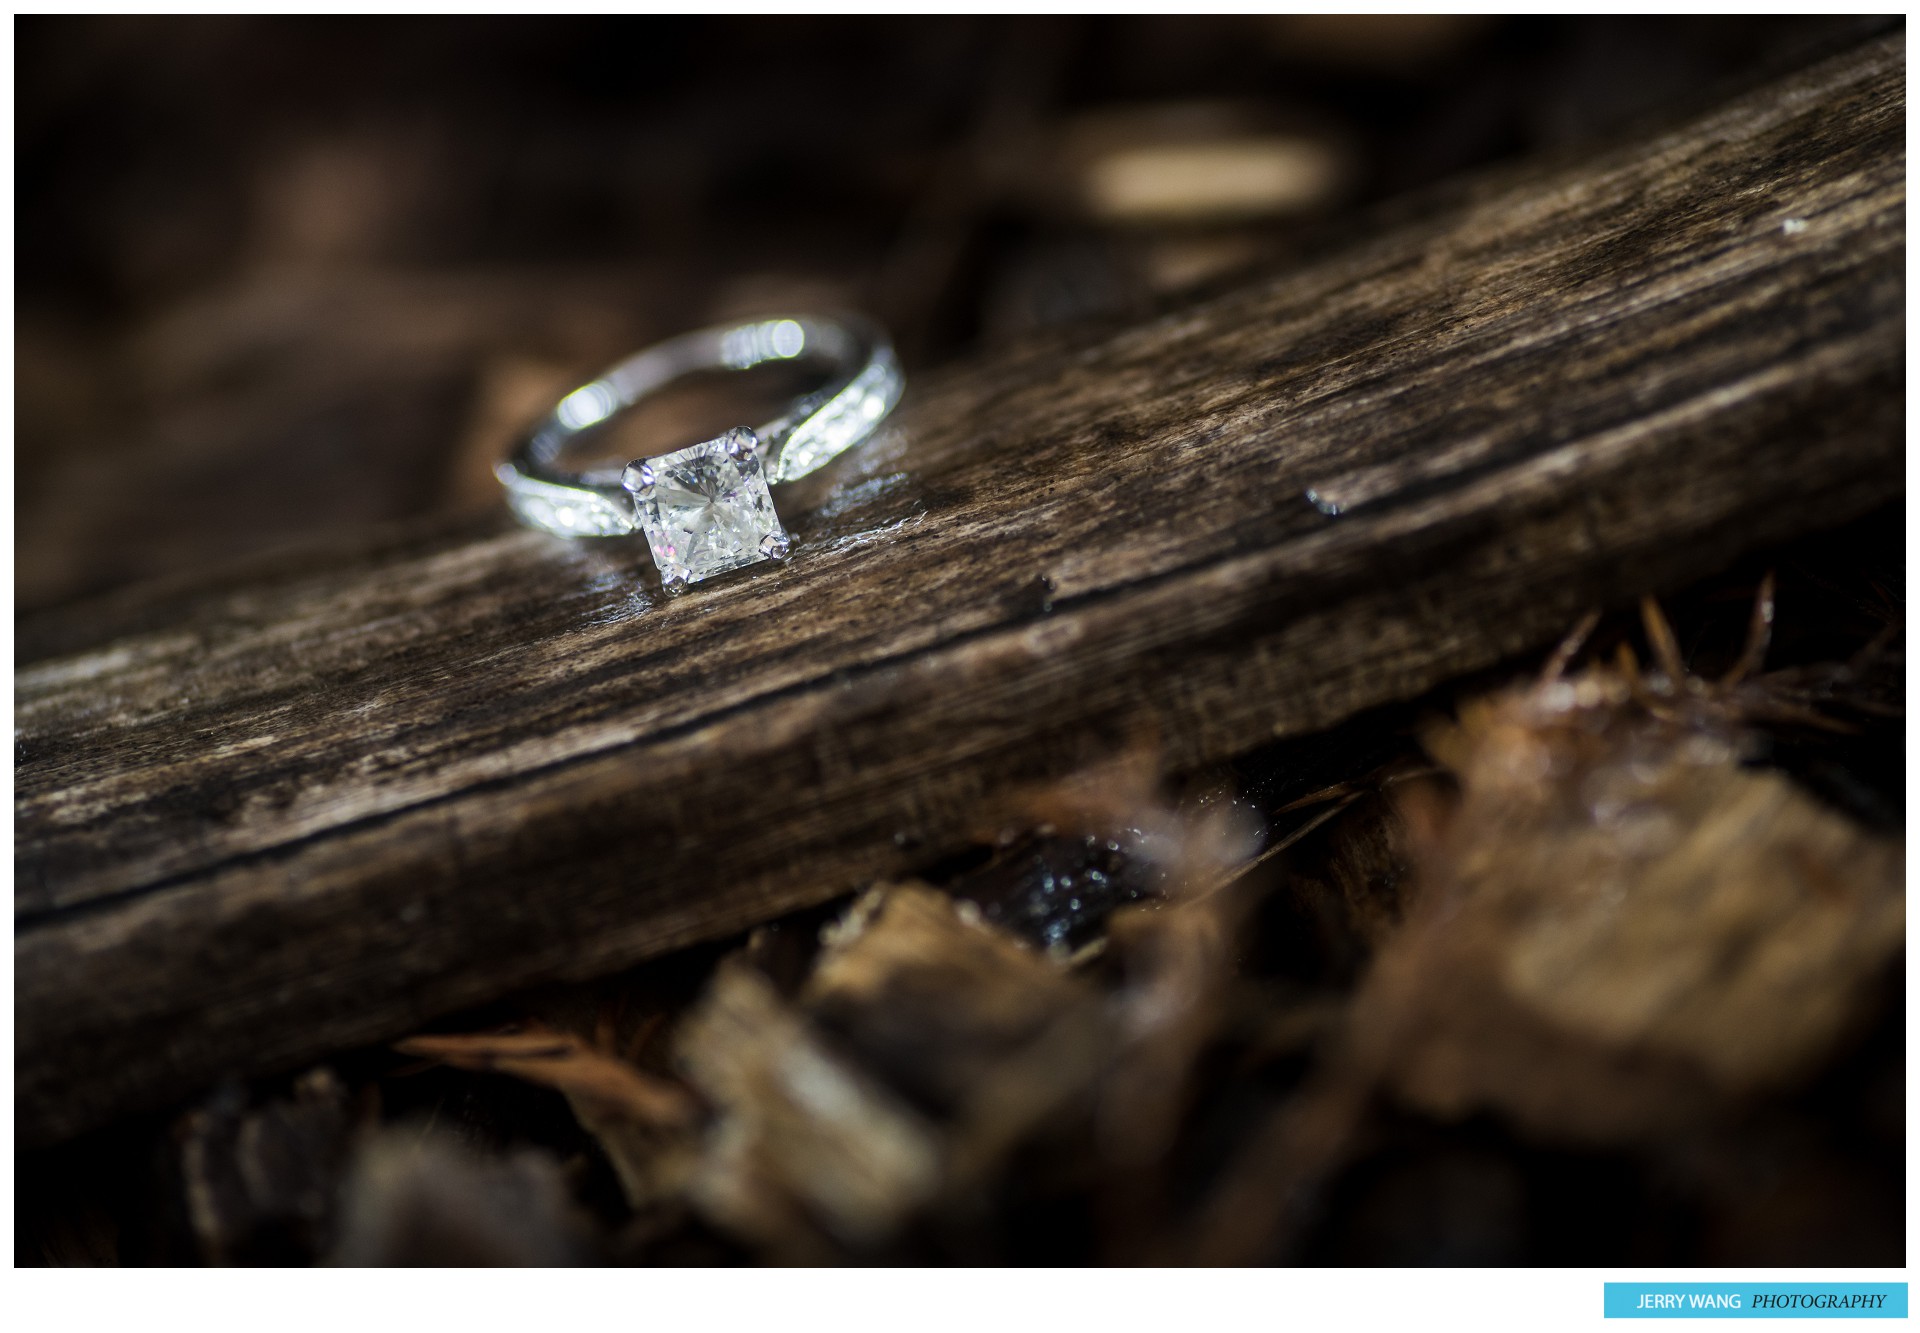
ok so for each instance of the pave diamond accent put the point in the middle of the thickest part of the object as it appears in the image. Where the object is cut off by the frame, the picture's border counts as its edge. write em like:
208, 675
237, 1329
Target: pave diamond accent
844, 420
567, 511
706, 509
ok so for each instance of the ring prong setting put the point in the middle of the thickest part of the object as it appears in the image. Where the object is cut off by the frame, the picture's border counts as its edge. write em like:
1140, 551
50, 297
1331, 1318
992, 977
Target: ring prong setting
638, 479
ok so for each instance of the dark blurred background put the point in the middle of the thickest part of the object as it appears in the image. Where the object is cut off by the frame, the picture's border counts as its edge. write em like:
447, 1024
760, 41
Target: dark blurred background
279, 279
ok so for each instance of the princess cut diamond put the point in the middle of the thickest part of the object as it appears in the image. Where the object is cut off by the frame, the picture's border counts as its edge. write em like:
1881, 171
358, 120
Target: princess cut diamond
706, 509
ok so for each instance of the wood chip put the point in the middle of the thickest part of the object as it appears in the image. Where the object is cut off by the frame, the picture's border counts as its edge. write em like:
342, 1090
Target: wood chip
1620, 919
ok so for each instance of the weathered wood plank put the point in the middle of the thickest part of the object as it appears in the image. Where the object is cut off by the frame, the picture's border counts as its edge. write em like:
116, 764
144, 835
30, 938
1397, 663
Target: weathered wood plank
309, 805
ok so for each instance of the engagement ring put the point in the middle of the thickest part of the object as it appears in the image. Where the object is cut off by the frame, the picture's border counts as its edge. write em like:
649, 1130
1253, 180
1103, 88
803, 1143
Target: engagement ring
706, 509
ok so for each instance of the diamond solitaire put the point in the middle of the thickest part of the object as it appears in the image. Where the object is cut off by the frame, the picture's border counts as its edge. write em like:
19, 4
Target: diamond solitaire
706, 509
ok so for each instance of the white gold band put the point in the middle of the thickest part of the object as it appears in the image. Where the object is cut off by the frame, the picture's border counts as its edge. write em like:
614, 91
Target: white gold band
866, 383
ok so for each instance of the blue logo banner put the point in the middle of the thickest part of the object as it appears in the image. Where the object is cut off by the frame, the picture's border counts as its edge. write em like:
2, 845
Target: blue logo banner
1756, 1300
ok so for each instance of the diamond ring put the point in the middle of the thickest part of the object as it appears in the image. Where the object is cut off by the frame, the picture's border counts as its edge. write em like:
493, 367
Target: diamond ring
706, 509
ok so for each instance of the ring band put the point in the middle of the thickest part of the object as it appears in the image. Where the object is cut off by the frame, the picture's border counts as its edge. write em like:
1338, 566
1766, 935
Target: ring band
705, 509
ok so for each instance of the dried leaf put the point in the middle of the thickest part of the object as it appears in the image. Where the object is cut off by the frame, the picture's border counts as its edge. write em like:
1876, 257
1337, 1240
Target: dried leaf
644, 1124
566, 1063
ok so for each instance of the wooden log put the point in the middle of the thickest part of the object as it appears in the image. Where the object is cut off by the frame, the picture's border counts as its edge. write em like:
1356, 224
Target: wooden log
309, 805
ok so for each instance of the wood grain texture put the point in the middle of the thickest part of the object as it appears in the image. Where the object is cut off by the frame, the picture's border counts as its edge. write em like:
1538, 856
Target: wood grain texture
310, 804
